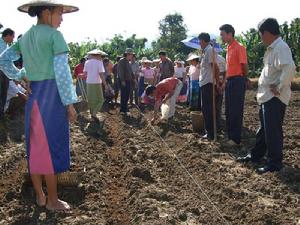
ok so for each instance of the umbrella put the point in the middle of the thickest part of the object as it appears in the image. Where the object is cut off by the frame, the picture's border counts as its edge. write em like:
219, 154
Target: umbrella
193, 42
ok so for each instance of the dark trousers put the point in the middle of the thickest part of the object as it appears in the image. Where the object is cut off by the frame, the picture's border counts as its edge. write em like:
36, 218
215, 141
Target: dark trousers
133, 94
234, 107
207, 108
269, 137
219, 102
4, 84
125, 92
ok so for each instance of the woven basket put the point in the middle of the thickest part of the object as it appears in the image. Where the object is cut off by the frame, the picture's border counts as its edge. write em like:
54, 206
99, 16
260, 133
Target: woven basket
197, 121
69, 178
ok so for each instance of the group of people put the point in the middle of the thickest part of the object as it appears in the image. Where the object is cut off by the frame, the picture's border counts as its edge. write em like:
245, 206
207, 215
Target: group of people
13, 94
51, 93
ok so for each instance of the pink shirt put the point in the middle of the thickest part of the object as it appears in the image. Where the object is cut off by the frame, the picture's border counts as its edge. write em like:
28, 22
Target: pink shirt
148, 73
93, 68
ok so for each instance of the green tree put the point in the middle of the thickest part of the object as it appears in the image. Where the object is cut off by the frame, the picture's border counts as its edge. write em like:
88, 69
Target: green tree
172, 31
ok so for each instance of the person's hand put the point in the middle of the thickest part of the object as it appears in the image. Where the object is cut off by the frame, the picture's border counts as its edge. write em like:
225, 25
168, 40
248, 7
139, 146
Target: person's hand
72, 114
223, 86
27, 85
153, 120
274, 90
248, 84
123, 83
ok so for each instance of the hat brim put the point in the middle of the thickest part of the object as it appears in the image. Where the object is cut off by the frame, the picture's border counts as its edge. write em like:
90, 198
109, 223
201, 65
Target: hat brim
97, 52
192, 58
66, 8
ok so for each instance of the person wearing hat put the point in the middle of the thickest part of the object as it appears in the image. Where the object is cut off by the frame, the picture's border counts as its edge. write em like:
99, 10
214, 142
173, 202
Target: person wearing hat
126, 77
180, 73
50, 105
94, 70
166, 66
148, 72
135, 67
194, 87
116, 79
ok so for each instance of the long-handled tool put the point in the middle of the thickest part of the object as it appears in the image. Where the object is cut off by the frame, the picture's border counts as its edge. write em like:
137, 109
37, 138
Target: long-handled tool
82, 89
214, 93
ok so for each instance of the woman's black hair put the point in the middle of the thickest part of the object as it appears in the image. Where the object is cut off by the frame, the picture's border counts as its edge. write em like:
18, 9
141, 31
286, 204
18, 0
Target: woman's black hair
150, 89
37, 10
196, 60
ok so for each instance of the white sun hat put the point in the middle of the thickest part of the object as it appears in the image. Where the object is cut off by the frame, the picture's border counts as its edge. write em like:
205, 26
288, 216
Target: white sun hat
67, 8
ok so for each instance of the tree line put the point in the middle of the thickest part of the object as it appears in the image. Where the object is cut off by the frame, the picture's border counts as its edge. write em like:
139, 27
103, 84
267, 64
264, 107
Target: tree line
173, 30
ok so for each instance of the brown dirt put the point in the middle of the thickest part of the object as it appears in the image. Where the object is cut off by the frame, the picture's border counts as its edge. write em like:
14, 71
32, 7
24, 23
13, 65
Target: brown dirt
132, 177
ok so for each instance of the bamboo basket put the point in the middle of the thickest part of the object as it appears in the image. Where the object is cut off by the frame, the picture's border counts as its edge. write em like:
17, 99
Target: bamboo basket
69, 178
197, 121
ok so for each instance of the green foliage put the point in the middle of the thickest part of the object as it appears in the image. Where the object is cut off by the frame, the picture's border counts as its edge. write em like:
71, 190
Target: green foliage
173, 30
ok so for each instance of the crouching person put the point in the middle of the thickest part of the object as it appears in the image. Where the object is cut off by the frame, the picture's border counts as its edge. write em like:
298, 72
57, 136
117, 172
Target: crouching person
165, 94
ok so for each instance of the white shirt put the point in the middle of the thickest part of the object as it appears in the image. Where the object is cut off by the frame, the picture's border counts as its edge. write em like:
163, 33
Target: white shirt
279, 69
194, 72
206, 70
93, 68
221, 61
12, 92
179, 71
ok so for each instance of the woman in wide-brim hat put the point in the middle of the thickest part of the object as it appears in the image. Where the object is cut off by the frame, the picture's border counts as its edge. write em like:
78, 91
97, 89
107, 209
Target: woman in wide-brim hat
180, 73
194, 87
94, 70
50, 105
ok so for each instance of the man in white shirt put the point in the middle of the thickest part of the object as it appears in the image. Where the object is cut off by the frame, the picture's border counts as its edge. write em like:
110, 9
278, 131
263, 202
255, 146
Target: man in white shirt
274, 92
207, 74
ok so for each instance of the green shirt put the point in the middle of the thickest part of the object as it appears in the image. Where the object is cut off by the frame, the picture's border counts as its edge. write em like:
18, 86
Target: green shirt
38, 47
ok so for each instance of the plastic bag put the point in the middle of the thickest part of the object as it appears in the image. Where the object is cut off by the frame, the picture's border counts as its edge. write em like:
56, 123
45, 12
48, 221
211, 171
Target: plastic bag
165, 109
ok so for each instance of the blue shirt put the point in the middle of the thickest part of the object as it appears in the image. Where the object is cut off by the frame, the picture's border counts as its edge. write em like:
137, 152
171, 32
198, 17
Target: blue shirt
3, 45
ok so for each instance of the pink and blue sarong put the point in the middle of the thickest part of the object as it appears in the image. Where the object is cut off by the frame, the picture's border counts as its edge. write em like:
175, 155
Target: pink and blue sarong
46, 130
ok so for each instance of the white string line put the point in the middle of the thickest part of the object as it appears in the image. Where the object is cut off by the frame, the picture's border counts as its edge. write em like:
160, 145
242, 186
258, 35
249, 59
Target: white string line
184, 168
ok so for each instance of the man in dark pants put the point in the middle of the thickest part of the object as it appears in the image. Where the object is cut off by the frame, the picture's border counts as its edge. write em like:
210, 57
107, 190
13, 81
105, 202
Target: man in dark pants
8, 36
219, 95
273, 96
126, 79
235, 85
207, 74
116, 79
135, 70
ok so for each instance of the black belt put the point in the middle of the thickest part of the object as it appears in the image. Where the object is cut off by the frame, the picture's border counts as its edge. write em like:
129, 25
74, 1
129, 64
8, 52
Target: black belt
235, 77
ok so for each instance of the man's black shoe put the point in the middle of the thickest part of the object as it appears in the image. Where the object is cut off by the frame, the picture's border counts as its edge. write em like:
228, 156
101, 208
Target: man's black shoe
267, 169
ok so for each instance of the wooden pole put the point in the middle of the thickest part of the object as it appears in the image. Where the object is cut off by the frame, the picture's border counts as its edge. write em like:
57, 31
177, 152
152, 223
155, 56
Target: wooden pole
214, 93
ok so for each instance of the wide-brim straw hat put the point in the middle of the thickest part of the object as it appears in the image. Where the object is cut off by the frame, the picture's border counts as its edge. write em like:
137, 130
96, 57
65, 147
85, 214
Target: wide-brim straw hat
179, 61
144, 59
156, 60
67, 8
97, 52
148, 61
192, 57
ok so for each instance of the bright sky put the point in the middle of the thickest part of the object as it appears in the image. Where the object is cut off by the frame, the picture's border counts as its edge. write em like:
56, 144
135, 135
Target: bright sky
99, 19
